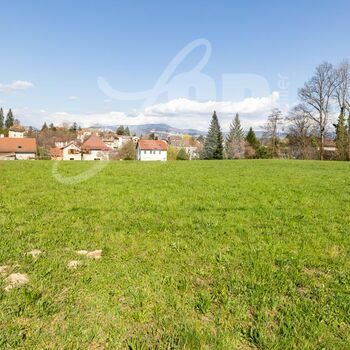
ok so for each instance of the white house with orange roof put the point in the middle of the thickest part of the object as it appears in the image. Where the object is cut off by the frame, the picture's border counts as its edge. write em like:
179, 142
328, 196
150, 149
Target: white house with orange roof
17, 148
151, 150
95, 149
68, 152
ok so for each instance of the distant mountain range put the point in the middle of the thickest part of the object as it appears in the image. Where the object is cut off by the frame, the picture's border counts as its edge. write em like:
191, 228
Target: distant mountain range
156, 128
165, 129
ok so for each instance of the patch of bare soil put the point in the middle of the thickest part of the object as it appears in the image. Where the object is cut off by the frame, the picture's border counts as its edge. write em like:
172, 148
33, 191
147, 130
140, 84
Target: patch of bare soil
34, 253
3, 270
16, 280
82, 252
73, 264
95, 254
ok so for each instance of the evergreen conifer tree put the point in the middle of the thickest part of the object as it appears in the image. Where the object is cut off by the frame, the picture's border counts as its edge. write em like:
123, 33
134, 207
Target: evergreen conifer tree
213, 145
44, 127
9, 119
251, 139
120, 130
1, 118
341, 136
74, 127
235, 140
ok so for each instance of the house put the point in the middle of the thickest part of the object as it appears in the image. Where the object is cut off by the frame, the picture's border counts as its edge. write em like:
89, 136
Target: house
70, 152
61, 144
188, 143
118, 141
83, 134
123, 139
95, 149
151, 150
135, 139
17, 148
16, 131
111, 141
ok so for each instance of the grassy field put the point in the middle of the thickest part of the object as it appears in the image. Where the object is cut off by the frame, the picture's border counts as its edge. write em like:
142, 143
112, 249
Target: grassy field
195, 255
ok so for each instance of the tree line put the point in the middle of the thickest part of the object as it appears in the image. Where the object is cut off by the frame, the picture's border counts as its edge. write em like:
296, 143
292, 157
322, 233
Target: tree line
307, 126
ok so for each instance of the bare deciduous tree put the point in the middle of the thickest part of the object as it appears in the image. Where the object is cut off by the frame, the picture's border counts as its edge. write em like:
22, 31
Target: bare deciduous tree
274, 121
342, 91
300, 130
317, 94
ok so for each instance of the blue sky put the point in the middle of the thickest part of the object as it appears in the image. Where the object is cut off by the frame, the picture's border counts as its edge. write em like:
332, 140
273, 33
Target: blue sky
52, 53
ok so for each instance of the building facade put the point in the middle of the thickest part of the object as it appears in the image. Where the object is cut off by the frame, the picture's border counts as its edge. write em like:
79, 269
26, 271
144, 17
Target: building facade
151, 150
95, 149
12, 148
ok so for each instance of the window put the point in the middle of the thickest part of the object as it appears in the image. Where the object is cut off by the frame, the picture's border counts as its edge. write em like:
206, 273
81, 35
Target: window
19, 146
144, 152
160, 152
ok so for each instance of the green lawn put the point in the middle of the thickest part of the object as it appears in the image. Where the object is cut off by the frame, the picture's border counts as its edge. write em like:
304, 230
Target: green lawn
195, 255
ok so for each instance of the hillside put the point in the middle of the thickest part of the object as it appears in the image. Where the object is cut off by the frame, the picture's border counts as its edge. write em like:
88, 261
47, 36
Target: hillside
144, 129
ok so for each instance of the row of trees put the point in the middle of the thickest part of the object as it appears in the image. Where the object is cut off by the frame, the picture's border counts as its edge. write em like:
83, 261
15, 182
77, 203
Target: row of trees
72, 128
237, 144
307, 125
121, 130
325, 93
299, 142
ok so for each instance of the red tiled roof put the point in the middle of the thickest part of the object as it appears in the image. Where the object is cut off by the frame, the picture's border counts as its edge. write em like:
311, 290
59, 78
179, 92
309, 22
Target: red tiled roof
56, 152
153, 145
94, 143
18, 145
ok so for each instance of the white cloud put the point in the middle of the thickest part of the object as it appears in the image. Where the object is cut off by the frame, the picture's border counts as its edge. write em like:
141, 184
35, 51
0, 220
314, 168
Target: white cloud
16, 86
184, 106
72, 98
181, 113
190, 113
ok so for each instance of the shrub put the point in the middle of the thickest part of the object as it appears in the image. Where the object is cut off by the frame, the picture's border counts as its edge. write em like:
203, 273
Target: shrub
182, 155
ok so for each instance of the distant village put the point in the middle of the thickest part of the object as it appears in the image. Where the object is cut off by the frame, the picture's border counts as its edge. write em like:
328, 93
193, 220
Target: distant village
75, 143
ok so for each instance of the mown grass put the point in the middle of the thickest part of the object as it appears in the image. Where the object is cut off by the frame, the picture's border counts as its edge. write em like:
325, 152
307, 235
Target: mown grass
196, 255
